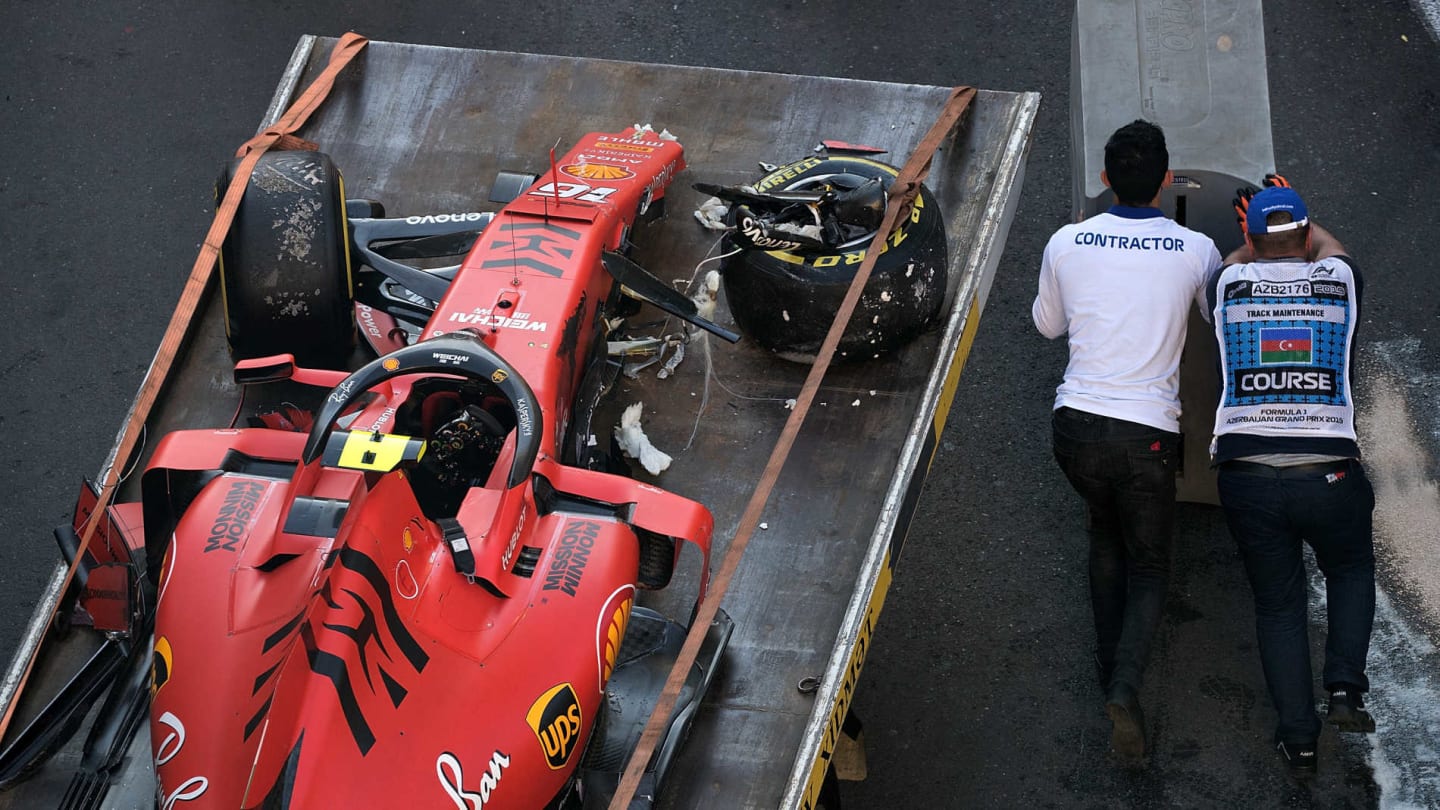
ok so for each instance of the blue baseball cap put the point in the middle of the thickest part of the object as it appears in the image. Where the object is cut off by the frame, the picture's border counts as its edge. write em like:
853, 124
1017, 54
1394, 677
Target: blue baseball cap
1272, 199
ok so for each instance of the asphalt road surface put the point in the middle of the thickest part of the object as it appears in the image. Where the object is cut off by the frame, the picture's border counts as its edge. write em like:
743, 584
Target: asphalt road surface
978, 691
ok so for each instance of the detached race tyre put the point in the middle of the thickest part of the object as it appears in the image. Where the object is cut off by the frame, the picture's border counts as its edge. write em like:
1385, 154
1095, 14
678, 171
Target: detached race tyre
786, 299
284, 266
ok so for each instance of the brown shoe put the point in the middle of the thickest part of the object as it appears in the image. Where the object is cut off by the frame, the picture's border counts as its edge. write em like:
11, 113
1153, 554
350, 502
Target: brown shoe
1127, 737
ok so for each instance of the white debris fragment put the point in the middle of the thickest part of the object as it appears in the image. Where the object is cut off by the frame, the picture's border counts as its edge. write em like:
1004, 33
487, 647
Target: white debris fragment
785, 313
642, 129
855, 404
711, 214
789, 404
635, 444
796, 229
886, 296
673, 363
708, 295
872, 392
764, 525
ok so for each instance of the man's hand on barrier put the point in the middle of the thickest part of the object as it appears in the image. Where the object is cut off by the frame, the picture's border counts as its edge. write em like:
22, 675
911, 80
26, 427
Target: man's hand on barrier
1241, 202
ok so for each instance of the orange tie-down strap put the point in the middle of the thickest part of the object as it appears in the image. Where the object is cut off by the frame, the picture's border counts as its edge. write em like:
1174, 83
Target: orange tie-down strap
901, 196
280, 135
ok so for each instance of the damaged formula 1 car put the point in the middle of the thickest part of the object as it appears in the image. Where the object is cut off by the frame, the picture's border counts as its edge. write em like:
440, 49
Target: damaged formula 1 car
417, 587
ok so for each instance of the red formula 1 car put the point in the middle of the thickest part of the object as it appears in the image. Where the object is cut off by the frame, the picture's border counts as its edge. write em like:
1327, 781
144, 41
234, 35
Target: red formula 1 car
418, 590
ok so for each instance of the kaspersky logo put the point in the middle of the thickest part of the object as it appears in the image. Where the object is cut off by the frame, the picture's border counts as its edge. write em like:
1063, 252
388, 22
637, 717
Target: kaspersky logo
555, 719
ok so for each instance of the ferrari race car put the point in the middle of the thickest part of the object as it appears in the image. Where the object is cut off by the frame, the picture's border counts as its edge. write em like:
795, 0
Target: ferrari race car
417, 586
410, 577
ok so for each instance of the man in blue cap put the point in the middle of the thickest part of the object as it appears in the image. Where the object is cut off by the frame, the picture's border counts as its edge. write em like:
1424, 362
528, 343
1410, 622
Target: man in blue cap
1285, 308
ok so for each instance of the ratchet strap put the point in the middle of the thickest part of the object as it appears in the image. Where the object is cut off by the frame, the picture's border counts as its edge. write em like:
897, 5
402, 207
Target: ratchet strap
900, 198
279, 135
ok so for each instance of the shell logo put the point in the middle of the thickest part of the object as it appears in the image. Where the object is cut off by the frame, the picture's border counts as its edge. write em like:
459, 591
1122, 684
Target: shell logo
390, 364
162, 663
597, 171
611, 630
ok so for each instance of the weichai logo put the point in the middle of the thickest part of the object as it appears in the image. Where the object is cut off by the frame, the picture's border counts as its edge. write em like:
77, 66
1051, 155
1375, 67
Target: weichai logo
555, 719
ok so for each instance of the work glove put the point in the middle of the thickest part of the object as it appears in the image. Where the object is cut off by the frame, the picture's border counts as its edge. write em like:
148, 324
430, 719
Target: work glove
1241, 201
1241, 204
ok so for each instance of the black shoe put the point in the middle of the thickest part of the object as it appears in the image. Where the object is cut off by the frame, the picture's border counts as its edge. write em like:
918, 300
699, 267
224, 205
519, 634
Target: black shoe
1299, 758
1347, 711
1127, 736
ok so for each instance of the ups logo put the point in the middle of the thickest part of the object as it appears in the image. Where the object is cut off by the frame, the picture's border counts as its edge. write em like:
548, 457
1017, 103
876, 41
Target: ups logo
555, 719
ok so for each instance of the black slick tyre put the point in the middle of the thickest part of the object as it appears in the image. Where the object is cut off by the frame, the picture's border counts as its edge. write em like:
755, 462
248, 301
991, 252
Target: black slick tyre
785, 300
284, 266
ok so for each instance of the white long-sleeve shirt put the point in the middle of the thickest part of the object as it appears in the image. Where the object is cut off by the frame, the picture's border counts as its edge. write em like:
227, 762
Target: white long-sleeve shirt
1120, 283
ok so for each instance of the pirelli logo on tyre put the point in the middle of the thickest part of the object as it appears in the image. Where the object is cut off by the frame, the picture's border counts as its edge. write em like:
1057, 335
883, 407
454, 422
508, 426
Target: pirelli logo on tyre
812, 173
555, 719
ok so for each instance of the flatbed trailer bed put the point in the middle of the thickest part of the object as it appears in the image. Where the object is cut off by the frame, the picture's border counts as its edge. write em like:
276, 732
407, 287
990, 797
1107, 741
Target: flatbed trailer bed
425, 130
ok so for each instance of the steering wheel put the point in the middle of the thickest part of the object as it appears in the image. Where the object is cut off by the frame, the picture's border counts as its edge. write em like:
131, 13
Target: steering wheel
470, 439
461, 354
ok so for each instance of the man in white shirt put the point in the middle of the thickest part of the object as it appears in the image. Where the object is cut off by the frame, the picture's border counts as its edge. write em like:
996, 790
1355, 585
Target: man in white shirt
1120, 284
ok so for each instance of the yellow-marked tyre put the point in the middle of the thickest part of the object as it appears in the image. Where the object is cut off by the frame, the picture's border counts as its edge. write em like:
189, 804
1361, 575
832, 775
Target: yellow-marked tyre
785, 300
284, 266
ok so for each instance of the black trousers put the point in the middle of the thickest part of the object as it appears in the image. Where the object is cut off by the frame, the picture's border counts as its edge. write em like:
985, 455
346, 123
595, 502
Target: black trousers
1273, 512
1125, 471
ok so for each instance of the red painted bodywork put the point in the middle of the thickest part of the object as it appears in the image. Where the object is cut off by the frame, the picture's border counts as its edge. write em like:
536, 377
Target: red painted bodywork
361, 670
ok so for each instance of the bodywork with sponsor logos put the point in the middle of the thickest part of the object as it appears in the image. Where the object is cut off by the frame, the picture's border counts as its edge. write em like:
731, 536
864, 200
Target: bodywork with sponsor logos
424, 576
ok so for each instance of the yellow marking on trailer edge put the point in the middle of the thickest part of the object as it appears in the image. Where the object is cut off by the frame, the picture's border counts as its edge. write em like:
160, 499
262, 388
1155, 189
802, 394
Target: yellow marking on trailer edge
847, 688
952, 377
882, 584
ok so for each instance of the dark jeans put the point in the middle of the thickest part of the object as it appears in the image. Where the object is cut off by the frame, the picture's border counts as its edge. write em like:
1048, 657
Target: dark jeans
1270, 512
1126, 473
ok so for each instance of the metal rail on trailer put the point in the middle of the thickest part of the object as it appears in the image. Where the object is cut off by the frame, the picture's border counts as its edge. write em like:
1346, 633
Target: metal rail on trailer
426, 129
